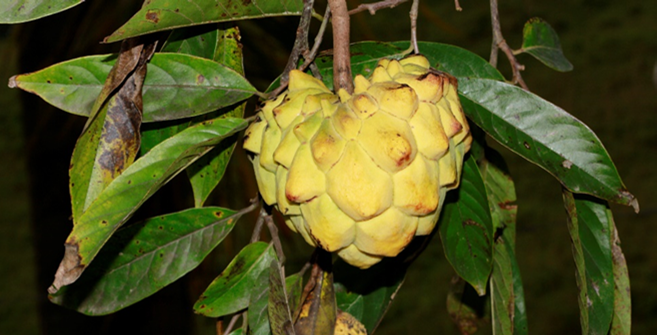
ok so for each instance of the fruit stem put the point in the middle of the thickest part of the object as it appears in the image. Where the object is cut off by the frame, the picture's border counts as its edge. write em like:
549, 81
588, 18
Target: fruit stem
341, 56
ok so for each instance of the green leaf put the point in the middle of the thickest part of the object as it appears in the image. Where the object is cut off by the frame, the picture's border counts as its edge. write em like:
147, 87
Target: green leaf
176, 86
520, 312
205, 174
28, 10
198, 41
621, 324
294, 289
545, 135
125, 194
142, 258
501, 194
501, 289
591, 235
258, 317
158, 15
466, 229
232, 289
367, 294
280, 316
542, 42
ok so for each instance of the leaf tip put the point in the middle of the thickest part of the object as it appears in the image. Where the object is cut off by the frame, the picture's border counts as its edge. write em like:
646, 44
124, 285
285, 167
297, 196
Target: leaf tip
635, 204
12, 82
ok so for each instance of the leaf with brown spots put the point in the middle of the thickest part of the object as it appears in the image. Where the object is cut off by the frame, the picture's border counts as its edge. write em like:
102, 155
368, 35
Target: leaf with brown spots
158, 15
125, 194
232, 289
129, 269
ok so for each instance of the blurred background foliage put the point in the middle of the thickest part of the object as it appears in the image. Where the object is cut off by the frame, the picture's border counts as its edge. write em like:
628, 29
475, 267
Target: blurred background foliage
612, 89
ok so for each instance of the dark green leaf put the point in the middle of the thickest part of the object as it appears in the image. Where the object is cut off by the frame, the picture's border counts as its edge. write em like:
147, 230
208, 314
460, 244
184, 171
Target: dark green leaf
239, 331
205, 174
621, 324
176, 86
501, 289
545, 135
258, 317
507, 297
367, 294
158, 15
125, 194
591, 235
501, 194
142, 258
520, 312
196, 41
466, 229
232, 289
280, 316
294, 289
28, 10
542, 42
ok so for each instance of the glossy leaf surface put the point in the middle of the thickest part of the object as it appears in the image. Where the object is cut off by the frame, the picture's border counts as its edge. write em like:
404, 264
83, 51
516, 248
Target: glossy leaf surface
142, 258
542, 42
591, 235
133, 187
28, 10
466, 229
232, 289
545, 135
176, 85
158, 15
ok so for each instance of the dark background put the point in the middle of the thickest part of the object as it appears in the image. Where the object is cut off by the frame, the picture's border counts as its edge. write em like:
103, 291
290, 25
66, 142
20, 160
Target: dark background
613, 89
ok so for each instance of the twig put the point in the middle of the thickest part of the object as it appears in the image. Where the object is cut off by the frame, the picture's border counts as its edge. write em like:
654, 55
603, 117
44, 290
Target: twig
273, 231
413, 14
255, 237
341, 55
232, 323
373, 7
309, 56
500, 43
300, 42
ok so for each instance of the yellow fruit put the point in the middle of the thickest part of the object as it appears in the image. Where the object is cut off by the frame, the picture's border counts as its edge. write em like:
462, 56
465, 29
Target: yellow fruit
361, 174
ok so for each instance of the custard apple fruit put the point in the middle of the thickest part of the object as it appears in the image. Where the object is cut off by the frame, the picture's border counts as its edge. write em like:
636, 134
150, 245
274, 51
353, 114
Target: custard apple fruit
361, 174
